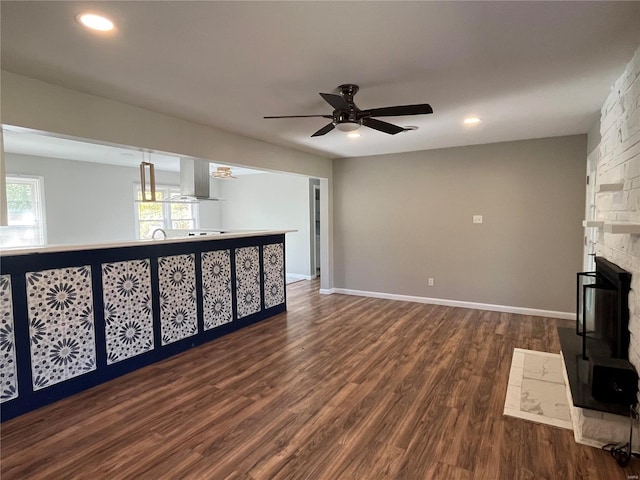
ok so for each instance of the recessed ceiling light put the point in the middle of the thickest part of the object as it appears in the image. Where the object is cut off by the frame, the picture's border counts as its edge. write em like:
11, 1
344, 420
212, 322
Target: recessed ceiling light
95, 22
471, 120
353, 135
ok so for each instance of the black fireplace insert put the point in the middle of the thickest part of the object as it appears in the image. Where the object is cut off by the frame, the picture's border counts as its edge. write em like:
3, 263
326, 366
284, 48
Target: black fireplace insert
603, 310
597, 358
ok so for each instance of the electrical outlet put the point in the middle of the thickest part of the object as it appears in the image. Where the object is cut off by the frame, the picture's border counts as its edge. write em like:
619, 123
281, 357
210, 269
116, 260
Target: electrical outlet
430, 282
477, 219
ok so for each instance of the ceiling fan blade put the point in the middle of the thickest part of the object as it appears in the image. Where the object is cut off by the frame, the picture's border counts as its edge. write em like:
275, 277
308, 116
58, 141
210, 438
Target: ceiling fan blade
421, 109
301, 116
324, 130
336, 101
381, 126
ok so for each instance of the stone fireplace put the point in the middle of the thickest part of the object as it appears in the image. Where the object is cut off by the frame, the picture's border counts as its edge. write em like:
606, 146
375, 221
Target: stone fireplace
617, 162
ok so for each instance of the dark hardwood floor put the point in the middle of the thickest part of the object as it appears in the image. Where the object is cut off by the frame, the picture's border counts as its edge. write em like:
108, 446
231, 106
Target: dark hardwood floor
339, 387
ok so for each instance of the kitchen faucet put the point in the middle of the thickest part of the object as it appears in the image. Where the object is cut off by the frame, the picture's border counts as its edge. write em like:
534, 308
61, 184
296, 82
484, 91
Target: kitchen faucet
164, 234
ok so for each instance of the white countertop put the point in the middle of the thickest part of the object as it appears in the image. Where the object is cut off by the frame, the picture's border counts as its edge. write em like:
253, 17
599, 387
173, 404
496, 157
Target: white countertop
137, 243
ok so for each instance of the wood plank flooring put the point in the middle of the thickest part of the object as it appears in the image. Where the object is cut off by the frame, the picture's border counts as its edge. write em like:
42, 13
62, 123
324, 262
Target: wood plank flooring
339, 387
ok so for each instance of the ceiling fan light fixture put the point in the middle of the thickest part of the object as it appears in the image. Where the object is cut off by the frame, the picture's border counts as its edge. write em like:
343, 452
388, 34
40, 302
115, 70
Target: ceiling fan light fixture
348, 126
353, 134
94, 21
222, 172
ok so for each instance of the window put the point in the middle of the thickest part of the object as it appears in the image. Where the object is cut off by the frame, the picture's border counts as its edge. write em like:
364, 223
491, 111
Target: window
152, 215
25, 209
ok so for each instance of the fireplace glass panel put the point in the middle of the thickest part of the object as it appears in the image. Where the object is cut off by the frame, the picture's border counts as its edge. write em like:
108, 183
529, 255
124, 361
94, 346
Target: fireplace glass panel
585, 303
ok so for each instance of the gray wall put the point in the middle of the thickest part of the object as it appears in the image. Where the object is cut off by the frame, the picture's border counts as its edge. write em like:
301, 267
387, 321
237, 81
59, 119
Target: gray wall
399, 219
271, 201
90, 202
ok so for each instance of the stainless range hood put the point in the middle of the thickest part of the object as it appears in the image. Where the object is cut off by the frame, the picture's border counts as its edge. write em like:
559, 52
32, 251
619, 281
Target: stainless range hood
195, 178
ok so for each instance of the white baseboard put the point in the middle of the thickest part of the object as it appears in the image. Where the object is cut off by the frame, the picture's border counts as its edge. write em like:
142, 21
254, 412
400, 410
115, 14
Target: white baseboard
454, 303
299, 276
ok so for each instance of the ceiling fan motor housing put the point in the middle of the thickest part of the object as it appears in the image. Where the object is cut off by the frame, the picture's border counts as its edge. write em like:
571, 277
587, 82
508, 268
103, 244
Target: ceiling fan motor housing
347, 91
344, 117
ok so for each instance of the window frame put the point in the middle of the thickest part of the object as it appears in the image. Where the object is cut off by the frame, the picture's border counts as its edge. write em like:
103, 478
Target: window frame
40, 211
167, 220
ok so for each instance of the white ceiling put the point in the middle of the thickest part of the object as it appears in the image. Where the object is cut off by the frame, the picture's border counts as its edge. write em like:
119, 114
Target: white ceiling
528, 69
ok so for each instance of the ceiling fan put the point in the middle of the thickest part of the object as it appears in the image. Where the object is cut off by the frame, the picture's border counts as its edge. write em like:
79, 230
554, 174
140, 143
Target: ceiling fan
347, 117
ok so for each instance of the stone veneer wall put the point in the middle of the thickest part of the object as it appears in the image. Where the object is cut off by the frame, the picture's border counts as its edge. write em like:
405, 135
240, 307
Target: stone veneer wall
620, 163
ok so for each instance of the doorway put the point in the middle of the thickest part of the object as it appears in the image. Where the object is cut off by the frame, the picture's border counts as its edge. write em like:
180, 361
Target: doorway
316, 230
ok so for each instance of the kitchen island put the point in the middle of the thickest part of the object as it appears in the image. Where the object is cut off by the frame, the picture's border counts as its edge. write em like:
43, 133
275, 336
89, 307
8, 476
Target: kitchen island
72, 317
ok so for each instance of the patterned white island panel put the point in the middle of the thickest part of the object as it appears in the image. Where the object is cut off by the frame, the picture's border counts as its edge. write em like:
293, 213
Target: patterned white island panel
61, 324
273, 259
248, 280
216, 288
126, 292
178, 307
9, 381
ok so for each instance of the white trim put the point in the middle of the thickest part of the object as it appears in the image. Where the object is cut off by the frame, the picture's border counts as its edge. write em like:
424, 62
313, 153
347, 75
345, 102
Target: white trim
457, 303
314, 233
132, 243
327, 291
298, 276
43, 207
39, 198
